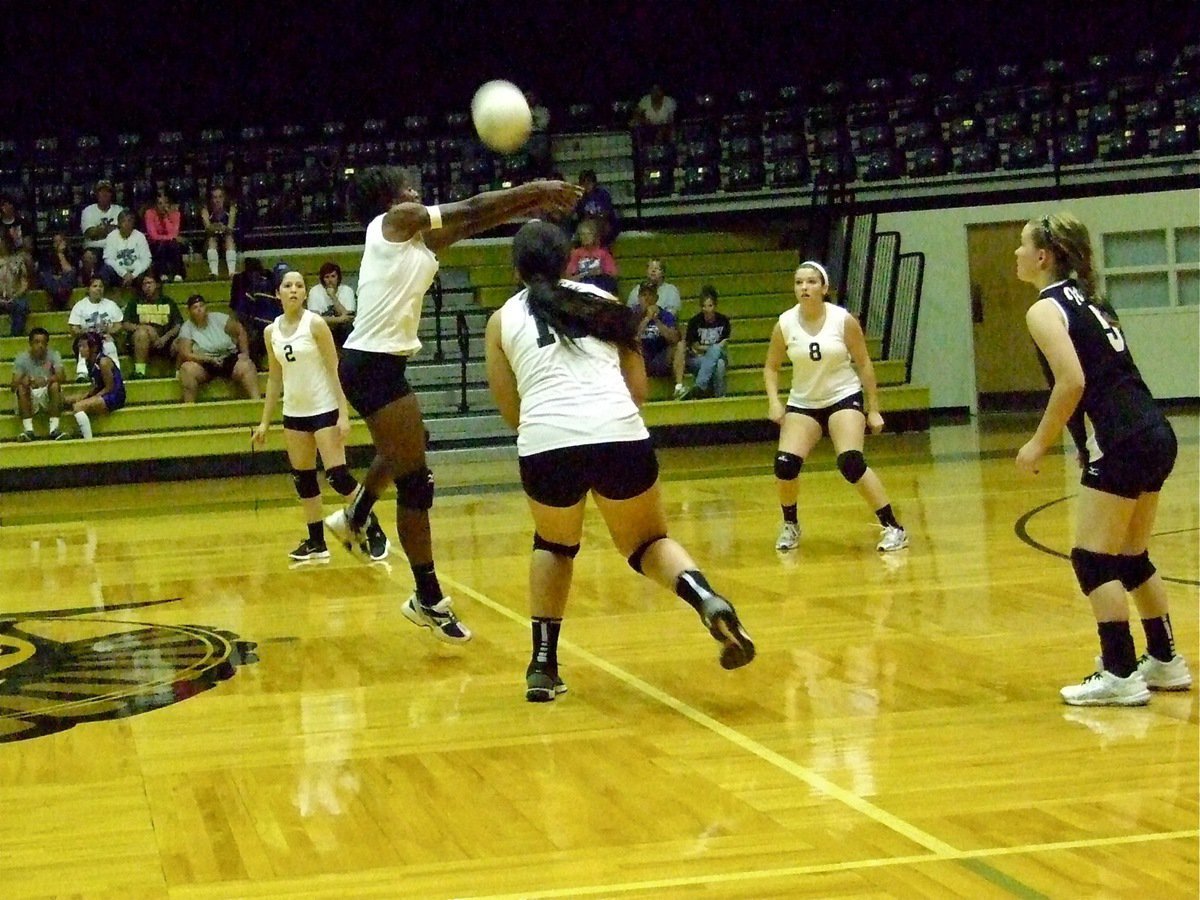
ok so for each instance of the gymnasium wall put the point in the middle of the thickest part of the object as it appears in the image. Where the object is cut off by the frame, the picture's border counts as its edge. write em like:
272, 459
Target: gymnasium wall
1165, 342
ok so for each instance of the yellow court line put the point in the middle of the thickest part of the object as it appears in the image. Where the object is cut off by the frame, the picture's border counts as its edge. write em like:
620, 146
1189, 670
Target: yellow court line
828, 868
808, 776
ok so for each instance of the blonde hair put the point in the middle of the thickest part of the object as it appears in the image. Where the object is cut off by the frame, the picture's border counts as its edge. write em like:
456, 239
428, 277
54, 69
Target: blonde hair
1067, 240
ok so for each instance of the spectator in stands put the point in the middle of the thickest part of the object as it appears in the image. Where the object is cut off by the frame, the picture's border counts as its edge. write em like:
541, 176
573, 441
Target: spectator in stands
212, 345
333, 300
655, 112
253, 279
668, 294
596, 204
220, 229
126, 253
95, 314
58, 275
37, 384
153, 322
162, 233
14, 284
657, 330
18, 225
538, 147
703, 349
591, 263
97, 220
107, 393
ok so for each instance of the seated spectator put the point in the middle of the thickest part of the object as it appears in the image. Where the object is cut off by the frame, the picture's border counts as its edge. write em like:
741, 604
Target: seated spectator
57, 274
212, 345
107, 393
126, 253
658, 332
18, 225
95, 314
334, 301
596, 204
591, 263
220, 230
14, 284
655, 112
668, 294
162, 233
153, 322
253, 279
37, 384
89, 265
97, 220
703, 349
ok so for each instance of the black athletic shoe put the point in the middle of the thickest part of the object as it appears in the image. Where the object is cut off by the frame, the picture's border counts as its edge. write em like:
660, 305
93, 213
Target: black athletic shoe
722, 623
542, 684
308, 550
378, 545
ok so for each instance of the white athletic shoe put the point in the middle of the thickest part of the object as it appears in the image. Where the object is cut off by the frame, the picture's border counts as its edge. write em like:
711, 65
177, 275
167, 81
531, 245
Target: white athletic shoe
789, 537
1103, 688
1165, 676
893, 538
439, 618
354, 540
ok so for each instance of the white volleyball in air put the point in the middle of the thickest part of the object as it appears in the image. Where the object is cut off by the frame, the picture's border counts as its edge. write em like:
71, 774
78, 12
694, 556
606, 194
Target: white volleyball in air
501, 116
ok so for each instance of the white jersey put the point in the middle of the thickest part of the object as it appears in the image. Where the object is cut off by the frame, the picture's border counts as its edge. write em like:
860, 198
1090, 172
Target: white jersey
392, 282
307, 385
821, 370
572, 393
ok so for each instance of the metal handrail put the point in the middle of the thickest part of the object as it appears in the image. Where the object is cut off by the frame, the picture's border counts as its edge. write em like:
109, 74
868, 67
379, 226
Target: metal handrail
463, 332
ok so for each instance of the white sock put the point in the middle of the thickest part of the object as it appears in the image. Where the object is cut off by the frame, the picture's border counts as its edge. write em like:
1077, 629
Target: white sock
231, 261
54, 423
214, 262
85, 425
81, 372
28, 424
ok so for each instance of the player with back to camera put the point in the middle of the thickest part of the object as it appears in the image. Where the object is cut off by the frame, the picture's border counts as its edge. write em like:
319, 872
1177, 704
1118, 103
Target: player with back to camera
398, 265
1126, 448
303, 364
555, 348
826, 345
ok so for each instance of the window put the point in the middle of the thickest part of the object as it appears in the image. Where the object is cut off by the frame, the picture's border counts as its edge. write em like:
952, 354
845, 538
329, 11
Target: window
1156, 269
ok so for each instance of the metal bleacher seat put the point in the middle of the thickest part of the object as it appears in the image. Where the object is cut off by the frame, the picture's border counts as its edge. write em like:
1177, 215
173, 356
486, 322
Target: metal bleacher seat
977, 156
928, 160
701, 178
1130, 142
746, 175
791, 171
1010, 126
1077, 148
882, 164
1175, 139
1027, 152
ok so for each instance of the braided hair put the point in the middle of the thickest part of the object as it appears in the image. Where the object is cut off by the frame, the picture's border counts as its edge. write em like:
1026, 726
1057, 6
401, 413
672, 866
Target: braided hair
540, 254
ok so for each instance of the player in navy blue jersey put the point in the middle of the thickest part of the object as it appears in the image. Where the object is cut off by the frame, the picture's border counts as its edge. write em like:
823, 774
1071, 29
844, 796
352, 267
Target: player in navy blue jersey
1126, 449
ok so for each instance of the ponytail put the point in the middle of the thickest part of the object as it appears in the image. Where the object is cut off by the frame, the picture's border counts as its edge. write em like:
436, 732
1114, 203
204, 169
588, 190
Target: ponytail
575, 314
1068, 240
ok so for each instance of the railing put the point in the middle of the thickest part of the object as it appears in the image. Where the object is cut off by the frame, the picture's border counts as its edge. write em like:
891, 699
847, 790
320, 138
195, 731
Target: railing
439, 299
463, 333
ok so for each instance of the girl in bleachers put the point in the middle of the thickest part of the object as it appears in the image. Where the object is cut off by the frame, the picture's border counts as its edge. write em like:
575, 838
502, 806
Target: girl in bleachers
107, 392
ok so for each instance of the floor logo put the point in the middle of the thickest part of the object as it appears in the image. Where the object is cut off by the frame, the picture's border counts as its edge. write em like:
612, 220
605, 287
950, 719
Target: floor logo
61, 667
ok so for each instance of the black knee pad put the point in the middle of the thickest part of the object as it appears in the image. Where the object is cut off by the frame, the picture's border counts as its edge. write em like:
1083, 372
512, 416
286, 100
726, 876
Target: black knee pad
415, 490
635, 558
306, 483
341, 480
853, 465
787, 466
567, 550
1094, 569
1136, 570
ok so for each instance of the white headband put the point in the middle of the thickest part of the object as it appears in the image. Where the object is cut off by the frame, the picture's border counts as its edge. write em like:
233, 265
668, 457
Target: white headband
809, 264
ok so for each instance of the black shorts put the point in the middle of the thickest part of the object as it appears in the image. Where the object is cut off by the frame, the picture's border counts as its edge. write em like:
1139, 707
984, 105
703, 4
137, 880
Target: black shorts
222, 368
311, 423
1136, 466
821, 416
619, 470
373, 380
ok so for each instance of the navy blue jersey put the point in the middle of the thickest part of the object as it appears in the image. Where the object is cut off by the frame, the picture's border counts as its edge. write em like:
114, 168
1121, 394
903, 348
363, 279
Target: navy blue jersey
1116, 402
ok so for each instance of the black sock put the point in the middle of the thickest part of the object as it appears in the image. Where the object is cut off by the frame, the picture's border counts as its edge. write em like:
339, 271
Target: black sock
429, 591
1160, 639
694, 589
360, 507
789, 515
1116, 648
545, 642
887, 518
316, 533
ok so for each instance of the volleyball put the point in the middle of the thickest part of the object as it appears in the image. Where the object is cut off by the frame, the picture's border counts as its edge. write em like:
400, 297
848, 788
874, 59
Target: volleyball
501, 116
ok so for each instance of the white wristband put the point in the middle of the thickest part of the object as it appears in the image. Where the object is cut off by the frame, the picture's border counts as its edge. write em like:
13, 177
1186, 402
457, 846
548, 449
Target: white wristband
435, 217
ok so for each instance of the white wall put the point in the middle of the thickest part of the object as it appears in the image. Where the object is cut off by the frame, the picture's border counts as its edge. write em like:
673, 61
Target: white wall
1165, 343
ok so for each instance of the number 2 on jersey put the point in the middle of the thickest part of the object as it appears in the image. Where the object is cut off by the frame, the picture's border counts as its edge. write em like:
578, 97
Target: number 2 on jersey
288, 354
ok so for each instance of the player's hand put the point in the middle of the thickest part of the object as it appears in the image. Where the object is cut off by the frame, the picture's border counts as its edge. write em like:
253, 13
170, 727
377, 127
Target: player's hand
259, 434
775, 411
1028, 457
558, 196
875, 422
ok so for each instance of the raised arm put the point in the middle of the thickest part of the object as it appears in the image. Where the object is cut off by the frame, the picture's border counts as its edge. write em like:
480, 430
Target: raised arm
856, 344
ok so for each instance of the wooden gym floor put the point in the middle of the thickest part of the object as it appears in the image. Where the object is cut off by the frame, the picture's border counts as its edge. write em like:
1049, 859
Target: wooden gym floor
183, 715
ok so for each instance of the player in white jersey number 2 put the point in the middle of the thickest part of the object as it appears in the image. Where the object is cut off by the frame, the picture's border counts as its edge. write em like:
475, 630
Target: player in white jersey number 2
398, 266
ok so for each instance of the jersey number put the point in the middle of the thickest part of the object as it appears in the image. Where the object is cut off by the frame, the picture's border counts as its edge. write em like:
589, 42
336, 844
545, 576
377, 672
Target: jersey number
1111, 331
814, 351
288, 354
545, 335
